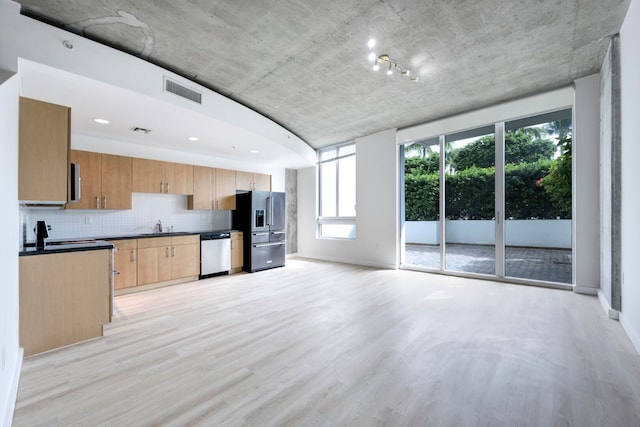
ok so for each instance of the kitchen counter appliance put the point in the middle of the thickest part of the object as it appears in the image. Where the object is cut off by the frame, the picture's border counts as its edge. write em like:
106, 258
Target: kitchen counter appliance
261, 217
215, 253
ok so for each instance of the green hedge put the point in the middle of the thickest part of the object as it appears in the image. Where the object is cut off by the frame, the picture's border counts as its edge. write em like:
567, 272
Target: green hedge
470, 193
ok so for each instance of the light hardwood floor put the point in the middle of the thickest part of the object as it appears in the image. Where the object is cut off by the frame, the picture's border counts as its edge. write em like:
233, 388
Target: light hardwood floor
323, 344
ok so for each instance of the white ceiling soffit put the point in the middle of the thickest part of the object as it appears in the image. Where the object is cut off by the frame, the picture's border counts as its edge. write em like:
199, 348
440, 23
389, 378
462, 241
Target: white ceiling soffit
170, 124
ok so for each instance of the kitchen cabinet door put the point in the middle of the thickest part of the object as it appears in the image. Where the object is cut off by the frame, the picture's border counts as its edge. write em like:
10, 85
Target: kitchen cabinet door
147, 267
44, 144
125, 263
147, 176
185, 261
244, 180
90, 178
225, 194
249, 181
203, 189
237, 250
116, 182
262, 182
178, 178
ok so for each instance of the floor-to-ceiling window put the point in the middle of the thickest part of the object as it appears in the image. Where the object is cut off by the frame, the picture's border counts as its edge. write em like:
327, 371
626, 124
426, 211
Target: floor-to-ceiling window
470, 201
422, 202
337, 191
538, 197
504, 191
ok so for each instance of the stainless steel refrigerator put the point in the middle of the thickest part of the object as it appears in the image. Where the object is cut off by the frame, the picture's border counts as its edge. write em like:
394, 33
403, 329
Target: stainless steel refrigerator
260, 215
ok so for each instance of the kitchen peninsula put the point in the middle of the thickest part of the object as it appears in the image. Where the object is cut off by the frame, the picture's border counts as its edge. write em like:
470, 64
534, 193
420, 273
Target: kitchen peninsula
65, 294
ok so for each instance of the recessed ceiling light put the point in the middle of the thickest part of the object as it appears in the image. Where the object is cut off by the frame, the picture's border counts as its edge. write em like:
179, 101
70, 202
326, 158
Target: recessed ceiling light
371, 43
101, 121
193, 138
254, 151
372, 57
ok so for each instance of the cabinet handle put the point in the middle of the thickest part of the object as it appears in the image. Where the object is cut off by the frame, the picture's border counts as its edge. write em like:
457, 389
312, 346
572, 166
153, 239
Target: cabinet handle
167, 188
161, 187
217, 204
167, 254
133, 256
97, 202
213, 206
105, 201
173, 250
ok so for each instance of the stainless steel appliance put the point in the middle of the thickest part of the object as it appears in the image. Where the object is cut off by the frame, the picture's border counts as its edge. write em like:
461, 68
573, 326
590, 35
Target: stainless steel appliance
215, 253
261, 217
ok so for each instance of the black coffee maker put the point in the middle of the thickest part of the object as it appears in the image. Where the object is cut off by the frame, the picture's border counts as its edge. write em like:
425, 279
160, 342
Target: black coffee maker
41, 234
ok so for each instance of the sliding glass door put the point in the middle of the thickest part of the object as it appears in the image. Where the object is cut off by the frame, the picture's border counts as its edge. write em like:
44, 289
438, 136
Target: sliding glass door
504, 191
422, 200
470, 201
538, 207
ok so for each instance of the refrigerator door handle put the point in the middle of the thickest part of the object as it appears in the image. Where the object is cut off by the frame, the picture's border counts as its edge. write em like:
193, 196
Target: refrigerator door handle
277, 232
268, 211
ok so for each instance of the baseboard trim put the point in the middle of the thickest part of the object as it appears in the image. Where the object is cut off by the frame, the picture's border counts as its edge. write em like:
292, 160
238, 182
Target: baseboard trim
585, 290
611, 313
631, 332
13, 392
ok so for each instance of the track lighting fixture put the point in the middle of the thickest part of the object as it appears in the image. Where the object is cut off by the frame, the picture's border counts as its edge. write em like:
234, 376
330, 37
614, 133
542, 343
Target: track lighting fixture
385, 59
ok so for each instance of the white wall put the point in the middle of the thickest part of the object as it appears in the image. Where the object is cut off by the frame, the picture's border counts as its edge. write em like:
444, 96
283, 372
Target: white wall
10, 353
630, 106
540, 103
376, 202
586, 202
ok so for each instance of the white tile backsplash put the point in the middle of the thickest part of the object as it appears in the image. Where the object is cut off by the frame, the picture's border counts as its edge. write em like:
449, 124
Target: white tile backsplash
146, 210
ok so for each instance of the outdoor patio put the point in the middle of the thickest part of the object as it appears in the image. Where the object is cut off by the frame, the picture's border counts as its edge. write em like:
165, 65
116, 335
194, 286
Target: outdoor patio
550, 265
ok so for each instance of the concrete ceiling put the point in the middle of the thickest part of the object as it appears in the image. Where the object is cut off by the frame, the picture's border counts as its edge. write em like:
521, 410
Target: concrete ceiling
303, 63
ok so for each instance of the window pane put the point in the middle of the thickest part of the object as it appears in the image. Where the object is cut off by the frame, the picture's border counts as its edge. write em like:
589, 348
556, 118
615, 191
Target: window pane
538, 198
470, 201
328, 154
347, 149
328, 189
339, 231
347, 192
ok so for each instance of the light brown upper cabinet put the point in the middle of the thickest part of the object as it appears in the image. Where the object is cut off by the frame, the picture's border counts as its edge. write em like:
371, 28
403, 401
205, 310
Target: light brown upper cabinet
106, 181
253, 181
43, 163
152, 176
213, 189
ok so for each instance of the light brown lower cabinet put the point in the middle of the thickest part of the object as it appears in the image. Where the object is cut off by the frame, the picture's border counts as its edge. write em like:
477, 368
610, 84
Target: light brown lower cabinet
161, 259
125, 260
237, 251
64, 298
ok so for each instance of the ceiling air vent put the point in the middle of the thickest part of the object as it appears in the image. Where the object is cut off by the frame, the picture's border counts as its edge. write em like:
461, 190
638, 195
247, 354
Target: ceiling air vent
140, 130
185, 92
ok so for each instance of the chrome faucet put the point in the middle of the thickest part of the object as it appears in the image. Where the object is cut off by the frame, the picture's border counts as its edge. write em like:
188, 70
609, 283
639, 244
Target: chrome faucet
159, 226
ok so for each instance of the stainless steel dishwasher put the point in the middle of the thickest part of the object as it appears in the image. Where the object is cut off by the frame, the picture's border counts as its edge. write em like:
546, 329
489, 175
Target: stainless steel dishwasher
215, 253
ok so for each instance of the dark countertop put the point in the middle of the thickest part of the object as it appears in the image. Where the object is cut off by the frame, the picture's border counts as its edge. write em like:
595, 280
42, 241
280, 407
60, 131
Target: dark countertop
56, 248
96, 243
